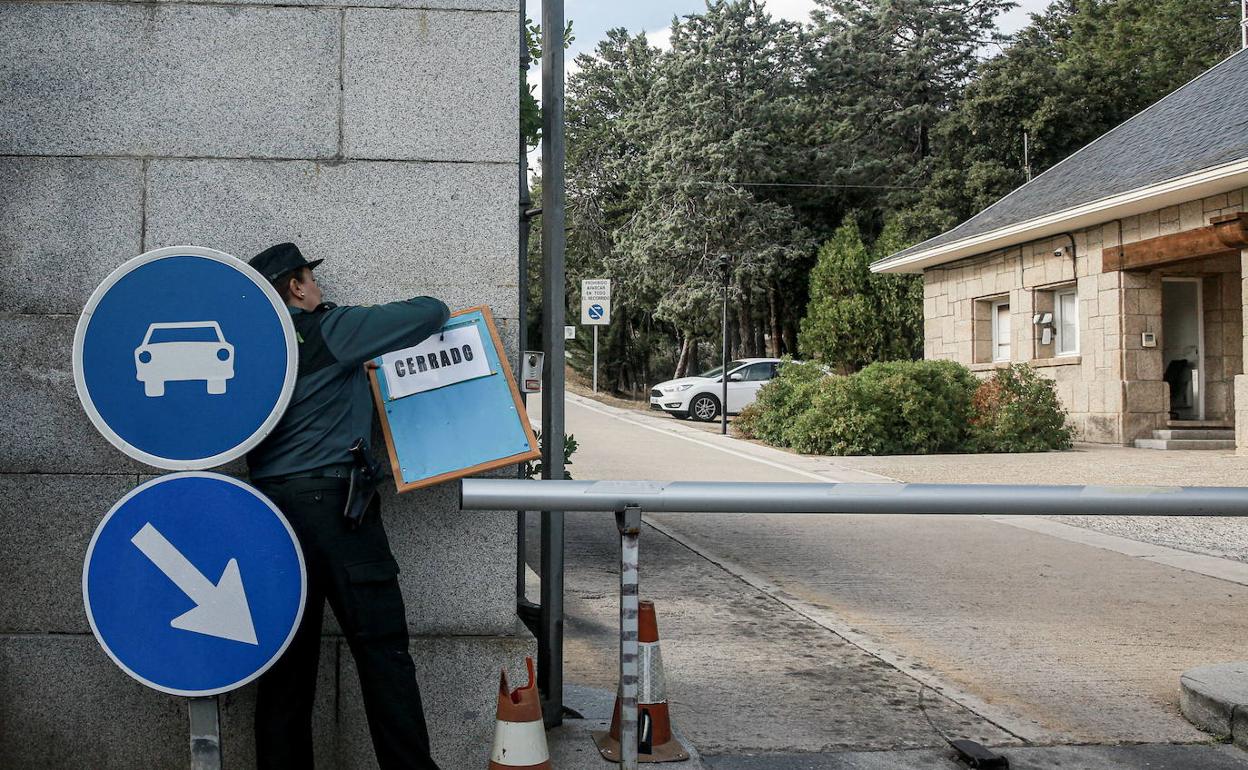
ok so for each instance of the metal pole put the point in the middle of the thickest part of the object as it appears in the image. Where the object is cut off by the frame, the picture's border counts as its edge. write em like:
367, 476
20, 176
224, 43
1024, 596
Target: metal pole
522, 300
628, 521
1243, 24
1027, 152
723, 352
595, 358
775, 497
205, 733
550, 636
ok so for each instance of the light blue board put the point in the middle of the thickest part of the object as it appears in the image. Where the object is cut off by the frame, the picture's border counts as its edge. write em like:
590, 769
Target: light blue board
459, 426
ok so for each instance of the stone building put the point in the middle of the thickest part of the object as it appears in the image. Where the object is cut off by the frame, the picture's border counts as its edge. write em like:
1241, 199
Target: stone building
1118, 273
382, 139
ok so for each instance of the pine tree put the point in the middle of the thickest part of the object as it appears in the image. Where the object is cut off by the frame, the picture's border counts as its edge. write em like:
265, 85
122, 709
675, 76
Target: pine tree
856, 317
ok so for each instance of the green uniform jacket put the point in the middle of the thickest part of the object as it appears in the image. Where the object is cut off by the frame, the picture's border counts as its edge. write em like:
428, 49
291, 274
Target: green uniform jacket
332, 405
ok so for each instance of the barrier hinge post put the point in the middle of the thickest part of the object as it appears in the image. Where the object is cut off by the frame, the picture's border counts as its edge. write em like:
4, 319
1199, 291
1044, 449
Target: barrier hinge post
629, 523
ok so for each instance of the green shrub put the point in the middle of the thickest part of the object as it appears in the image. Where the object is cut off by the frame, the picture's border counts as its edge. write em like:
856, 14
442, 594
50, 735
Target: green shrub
1017, 411
841, 418
898, 407
779, 402
928, 403
907, 407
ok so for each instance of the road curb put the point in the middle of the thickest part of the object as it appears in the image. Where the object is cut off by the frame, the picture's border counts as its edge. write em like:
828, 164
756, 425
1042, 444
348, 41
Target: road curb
1215, 699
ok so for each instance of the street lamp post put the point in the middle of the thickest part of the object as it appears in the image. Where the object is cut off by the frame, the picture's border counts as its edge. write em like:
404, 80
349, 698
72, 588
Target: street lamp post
725, 263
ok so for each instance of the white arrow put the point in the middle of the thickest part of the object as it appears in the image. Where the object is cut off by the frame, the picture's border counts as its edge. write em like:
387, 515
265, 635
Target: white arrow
220, 610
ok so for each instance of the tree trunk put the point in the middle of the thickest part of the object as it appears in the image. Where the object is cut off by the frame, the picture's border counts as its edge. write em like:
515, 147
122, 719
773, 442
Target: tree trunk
790, 337
743, 323
774, 320
682, 363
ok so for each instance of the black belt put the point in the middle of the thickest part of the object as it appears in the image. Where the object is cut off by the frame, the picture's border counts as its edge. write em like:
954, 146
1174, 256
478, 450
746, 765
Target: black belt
338, 471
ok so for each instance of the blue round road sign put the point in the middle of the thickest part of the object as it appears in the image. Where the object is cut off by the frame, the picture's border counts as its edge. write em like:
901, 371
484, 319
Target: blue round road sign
185, 358
194, 583
595, 312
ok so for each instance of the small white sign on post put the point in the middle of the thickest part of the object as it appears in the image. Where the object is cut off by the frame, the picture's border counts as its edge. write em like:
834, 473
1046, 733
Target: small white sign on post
596, 311
454, 356
596, 302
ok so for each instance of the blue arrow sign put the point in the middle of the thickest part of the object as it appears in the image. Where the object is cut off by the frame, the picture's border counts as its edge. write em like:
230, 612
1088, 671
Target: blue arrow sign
595, 311
194, 584
185, 358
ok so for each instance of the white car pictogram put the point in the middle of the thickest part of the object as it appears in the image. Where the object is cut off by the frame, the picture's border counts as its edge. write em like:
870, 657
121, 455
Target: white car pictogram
188, 350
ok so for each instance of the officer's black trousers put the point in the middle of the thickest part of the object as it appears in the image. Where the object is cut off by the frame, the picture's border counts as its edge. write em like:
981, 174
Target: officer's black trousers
355, 571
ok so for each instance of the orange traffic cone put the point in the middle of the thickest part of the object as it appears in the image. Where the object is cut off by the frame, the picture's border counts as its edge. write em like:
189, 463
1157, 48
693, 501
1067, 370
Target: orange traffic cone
519, 735
655, 740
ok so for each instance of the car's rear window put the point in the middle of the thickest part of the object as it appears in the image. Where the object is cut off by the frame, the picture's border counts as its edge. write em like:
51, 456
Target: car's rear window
188, 334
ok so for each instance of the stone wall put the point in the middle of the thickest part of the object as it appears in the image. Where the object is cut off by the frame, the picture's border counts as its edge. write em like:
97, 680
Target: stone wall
382, 139
1112, 387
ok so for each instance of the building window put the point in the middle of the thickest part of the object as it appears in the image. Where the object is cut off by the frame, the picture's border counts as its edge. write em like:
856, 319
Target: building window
1066, 321
1001, 331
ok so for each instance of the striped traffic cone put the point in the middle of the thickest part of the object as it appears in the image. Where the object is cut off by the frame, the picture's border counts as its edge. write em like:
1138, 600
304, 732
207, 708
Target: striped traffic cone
655, 740
519, 735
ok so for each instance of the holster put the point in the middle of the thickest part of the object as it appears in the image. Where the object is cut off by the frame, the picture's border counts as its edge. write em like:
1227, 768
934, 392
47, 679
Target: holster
366, 476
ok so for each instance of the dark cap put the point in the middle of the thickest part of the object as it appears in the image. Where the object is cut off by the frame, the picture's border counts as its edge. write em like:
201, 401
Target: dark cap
276, 261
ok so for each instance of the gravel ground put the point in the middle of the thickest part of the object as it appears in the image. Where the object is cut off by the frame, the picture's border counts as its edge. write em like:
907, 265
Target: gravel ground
1098, 464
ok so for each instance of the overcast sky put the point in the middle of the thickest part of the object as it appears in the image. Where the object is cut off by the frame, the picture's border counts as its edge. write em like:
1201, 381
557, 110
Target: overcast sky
592, 18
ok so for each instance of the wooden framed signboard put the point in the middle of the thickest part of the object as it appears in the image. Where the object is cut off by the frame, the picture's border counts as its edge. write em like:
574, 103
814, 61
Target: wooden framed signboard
449, 406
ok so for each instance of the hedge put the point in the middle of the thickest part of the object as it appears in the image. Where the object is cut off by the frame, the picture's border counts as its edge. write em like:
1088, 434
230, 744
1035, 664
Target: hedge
907, 407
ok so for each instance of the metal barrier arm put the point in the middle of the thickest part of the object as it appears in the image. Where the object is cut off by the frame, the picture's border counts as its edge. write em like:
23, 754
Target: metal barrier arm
627, 499
768, 497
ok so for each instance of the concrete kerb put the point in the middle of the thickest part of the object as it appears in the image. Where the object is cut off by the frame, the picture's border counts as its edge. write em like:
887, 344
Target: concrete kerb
1215, 699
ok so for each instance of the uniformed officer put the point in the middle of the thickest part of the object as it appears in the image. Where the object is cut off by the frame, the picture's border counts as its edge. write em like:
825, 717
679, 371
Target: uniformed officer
304, 467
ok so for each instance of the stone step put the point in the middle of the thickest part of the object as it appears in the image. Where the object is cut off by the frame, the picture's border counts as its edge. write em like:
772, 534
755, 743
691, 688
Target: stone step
1200, 424
1193, 433
1161, 443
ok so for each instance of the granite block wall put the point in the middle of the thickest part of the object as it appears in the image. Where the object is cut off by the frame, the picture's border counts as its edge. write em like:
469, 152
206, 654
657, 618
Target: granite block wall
1112, 387
378, 134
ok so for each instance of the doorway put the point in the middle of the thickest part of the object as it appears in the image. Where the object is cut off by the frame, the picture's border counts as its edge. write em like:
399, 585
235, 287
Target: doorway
1183, 346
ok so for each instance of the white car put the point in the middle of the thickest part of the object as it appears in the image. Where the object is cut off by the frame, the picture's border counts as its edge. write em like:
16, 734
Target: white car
190, 350
699, 396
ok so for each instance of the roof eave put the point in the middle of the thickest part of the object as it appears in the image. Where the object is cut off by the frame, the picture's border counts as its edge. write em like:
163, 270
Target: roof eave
1200, 184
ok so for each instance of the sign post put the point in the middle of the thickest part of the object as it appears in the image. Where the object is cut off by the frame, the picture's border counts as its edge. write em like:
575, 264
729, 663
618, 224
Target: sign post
596, 311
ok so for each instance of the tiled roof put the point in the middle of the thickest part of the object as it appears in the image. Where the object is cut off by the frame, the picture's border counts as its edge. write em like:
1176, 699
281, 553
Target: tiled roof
1199, 126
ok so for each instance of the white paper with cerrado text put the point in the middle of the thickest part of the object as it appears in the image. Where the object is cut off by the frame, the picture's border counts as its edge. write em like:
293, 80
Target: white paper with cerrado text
444, 359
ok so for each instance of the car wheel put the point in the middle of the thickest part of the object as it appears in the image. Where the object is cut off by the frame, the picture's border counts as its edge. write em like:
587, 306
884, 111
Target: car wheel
216, 387
153, 388
704, 408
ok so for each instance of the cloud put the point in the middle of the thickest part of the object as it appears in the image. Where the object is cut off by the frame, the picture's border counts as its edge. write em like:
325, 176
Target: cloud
793, 10
660, 38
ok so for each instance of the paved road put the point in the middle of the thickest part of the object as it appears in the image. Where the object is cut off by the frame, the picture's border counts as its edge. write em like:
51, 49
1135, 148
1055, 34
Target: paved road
805, 634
